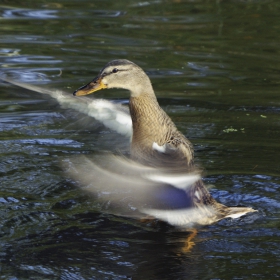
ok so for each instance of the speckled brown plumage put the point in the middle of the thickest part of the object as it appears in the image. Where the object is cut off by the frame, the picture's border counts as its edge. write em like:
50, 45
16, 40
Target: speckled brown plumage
152, 125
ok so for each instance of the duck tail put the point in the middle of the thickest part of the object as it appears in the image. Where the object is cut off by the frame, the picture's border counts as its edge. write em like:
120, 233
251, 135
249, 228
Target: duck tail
236, 212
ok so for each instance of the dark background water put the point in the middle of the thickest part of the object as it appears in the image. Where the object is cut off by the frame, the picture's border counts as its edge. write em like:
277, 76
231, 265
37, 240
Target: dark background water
215, 68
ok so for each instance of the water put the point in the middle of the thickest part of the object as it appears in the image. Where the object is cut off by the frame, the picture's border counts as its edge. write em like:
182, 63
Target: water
215, 69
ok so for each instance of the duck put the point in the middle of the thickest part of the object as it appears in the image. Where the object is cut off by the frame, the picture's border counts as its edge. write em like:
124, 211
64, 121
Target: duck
159, 147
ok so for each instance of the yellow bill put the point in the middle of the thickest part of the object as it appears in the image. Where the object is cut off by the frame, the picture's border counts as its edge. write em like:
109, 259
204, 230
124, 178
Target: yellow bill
91, 87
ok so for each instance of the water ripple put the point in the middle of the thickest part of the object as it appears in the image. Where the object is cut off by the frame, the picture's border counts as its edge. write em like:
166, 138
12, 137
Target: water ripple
27, 13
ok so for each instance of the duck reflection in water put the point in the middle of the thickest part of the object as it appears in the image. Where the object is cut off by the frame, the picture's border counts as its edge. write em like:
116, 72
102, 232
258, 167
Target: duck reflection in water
160, 179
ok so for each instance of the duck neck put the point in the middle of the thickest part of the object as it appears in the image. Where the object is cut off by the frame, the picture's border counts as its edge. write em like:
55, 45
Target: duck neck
148, 120
144, 109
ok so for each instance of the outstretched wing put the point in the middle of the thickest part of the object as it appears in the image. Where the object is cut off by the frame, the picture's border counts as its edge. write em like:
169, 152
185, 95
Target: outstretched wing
112, 115
158, 192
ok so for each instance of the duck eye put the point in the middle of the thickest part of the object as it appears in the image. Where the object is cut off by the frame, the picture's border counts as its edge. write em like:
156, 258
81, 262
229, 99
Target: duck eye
115, 70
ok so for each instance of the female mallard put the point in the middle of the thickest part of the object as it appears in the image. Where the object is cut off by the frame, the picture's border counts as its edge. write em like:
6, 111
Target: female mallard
157, 143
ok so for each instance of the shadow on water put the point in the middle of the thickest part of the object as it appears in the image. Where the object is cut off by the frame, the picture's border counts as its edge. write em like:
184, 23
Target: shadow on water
215, 69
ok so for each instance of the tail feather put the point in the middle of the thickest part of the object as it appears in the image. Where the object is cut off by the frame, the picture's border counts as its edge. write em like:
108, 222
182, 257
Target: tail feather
236, 212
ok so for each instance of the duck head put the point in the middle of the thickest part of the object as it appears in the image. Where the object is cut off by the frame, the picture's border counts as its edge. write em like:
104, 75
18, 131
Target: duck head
120, 73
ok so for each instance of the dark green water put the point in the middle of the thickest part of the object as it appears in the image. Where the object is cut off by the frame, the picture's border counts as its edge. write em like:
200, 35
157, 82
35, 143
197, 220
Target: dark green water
215, 68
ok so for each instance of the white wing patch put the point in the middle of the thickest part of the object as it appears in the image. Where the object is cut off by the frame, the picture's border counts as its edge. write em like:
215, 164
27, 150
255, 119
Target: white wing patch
186, 218
161, 149
178, 181
197, 195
